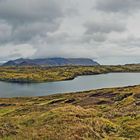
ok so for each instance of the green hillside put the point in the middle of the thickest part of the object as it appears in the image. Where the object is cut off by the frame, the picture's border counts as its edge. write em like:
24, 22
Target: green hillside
44, 74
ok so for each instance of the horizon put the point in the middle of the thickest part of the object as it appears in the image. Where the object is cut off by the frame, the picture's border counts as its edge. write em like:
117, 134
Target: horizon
105, 31
101, 63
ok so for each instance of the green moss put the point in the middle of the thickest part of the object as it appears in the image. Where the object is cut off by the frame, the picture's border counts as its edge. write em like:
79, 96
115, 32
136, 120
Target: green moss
5, 111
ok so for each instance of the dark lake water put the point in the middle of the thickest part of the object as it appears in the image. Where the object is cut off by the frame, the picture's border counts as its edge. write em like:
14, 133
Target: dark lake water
80, 83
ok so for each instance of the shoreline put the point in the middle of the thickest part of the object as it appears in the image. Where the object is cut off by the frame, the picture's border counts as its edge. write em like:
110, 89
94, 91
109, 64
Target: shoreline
44, 75
72, 93
103, 113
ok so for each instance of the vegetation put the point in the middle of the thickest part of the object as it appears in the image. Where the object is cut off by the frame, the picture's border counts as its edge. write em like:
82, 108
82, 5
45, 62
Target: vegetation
108, 114
44, 74
104, 114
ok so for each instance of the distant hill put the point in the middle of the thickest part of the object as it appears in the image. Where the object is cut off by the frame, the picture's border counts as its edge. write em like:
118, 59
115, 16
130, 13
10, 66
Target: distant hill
51, 62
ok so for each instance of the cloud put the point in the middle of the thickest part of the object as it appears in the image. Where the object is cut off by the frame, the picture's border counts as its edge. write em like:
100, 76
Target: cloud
13, 51
104, 26
98, 30
115, 6
55, 38
19, 11
24, 20
5, 31
27, 32
50, 28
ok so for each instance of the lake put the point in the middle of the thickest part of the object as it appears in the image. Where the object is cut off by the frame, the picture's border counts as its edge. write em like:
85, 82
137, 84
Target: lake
80, 83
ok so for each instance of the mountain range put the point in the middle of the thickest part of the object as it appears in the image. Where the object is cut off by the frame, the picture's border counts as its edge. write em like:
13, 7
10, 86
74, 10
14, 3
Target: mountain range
51, 62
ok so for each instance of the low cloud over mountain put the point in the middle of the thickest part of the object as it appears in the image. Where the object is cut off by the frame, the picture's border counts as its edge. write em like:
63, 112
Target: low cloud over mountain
104, 30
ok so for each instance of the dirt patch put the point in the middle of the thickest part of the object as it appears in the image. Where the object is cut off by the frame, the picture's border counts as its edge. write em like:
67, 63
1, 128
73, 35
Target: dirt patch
6, 105
94, 101
138, 103
70, 101
137, 95
56, 101
104, 95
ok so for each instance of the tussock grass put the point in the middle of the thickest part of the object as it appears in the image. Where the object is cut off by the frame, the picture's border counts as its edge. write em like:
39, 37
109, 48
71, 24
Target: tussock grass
73, 116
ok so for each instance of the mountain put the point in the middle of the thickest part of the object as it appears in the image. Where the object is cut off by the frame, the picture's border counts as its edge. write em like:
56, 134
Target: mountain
82, 61
51, 62
9, 63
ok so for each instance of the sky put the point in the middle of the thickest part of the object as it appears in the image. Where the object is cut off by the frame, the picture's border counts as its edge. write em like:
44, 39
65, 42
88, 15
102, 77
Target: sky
107, 31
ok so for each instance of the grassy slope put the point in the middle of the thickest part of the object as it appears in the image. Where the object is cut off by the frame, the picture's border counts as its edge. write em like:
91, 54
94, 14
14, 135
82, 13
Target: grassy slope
42, 74
108, 114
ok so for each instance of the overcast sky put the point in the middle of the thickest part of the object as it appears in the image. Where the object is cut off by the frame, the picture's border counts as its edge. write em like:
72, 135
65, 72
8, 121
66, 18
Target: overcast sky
105, 30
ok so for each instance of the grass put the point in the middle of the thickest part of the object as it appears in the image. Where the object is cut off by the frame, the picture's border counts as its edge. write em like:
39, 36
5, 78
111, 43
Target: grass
44, 74
108, 114
104, 114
